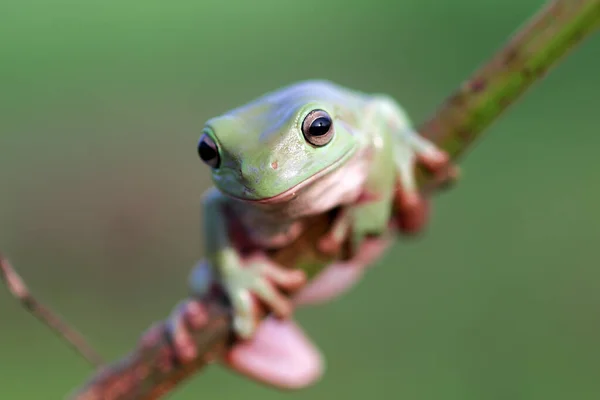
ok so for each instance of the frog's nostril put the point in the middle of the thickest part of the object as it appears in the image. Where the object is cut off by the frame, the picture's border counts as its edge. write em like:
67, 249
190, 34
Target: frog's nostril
248, 191
249, 174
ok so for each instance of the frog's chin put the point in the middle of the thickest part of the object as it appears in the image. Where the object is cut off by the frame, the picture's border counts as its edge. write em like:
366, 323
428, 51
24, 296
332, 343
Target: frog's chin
297, 189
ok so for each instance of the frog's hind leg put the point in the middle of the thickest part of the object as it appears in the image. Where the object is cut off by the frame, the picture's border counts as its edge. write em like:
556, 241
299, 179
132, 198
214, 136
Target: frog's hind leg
279, 355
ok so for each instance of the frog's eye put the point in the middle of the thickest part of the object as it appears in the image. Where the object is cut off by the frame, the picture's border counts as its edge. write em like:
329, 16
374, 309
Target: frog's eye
318, 128
208, 152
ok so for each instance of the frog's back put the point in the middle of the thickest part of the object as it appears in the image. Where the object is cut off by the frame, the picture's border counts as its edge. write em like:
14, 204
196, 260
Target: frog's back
320, 89
298, 94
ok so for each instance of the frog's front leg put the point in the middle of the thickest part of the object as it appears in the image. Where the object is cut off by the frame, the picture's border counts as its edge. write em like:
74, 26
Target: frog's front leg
411, 206
411, 149
247, 281
262, 280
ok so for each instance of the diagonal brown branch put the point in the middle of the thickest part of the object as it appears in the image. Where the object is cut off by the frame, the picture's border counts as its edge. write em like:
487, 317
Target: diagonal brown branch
20, 291
149, 371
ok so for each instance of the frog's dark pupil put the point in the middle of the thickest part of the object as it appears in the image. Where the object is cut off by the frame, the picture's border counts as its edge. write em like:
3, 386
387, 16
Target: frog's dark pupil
206, 152
320, 126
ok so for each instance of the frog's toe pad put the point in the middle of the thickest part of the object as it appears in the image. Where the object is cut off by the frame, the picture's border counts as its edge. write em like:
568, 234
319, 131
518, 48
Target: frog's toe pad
246, 325
288, 279
412, 211
438, 162
279, 355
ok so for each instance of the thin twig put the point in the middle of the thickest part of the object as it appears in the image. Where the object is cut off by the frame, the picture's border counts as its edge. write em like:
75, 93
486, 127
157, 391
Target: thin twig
19, 290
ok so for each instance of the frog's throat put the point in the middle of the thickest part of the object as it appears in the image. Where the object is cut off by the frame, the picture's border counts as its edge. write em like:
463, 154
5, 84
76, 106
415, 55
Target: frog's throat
295, 190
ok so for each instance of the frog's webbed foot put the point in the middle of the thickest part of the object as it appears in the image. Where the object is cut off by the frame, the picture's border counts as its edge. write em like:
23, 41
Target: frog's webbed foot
259, 281
279, 354
411, 206
188, 316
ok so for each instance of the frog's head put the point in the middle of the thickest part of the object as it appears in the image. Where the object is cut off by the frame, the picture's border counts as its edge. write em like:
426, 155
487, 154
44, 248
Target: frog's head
271, 148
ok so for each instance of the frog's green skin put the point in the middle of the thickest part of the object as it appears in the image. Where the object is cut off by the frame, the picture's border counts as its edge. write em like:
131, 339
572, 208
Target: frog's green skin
269, 177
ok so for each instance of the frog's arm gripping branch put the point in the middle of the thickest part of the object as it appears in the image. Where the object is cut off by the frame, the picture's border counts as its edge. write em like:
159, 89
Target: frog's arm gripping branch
150, 370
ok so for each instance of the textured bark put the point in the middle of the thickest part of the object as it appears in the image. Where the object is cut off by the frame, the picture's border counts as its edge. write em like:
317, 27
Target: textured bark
149, 371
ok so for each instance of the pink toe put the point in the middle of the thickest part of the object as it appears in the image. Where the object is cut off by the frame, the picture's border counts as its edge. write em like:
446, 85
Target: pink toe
279, 355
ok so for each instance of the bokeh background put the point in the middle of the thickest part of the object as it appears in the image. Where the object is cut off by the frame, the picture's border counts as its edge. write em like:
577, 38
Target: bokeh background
101, 106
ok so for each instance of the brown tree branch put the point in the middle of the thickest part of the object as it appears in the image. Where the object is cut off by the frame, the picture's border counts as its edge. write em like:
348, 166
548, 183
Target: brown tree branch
150, 370
19, 290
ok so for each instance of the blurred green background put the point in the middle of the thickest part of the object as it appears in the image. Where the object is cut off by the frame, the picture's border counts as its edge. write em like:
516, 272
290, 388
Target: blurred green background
101, 106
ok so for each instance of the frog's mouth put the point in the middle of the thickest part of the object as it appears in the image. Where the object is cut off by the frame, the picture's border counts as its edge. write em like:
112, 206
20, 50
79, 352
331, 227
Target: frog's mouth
293, 192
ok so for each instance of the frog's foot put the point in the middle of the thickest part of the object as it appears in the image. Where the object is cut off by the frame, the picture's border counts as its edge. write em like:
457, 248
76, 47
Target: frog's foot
278, 355
259, 281
412, 208
188, 316
438, 163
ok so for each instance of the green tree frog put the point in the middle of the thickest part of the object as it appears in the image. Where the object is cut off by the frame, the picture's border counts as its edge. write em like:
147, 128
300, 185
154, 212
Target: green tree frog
294, 152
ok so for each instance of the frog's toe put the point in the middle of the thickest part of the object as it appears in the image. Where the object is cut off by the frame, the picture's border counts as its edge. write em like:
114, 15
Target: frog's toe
188, 316
438, 162
432, 157
411, 207
288, 279
245, 313
412, 211
244, 326
274, 299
